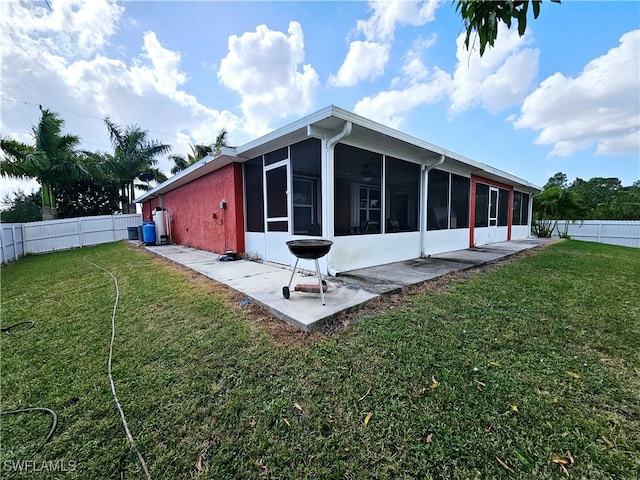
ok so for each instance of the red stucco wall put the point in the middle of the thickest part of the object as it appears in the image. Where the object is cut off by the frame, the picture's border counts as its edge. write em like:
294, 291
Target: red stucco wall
196, 217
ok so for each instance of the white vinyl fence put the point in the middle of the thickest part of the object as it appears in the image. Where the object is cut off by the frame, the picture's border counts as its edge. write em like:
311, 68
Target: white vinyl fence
625, 233
19, 239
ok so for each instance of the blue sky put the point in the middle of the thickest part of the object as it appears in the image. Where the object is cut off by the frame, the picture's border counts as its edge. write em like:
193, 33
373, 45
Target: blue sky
565, 97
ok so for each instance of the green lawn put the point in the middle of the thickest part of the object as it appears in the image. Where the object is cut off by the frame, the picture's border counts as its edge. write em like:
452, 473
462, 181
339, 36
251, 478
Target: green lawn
536, 359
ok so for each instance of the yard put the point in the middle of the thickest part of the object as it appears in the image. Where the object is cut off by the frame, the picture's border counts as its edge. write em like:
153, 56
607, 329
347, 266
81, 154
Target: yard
529, 370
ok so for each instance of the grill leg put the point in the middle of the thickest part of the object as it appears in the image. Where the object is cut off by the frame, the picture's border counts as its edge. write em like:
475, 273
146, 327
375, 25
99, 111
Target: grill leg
320, 281
293, 272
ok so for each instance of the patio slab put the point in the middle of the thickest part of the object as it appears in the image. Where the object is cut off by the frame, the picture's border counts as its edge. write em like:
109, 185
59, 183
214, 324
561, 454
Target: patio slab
263, 282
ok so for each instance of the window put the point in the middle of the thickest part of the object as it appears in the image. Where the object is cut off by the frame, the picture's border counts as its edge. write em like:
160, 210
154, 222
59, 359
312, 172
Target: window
402, 182
277, 192
307, 197
304, 220
369, 209
520, 208
276, 156
517, 207
447, 200
357, 190
503, 208
254, 194
482, 205
438, 200
459, 214
524, 217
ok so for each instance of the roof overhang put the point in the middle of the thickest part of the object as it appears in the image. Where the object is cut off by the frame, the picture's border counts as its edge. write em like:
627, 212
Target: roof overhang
325, 124
202, 167
330, 121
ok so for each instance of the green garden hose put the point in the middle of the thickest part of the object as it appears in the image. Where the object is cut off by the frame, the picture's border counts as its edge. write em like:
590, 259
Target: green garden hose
15, 327
54, 424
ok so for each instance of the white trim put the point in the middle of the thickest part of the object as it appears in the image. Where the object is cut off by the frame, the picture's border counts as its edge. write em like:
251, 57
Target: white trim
306, 126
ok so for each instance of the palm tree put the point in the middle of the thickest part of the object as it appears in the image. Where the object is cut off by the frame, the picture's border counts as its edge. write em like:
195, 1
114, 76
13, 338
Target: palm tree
133, 154
181, 162
198, 152
221, 140
52, 161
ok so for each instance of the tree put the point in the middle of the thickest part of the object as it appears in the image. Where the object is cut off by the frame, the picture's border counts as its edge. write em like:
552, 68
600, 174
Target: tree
598, 193
133, 154
88, 197
482, 17
625, 204
555, 203
221, 140
199, 151
21, 208
558, 180
52, 161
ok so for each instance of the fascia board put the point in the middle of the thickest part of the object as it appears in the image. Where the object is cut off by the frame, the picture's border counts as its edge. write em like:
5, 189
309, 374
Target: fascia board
193, 172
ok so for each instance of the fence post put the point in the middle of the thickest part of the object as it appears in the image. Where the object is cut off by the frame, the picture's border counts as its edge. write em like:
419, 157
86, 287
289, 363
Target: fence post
79, 222
113, 228
13, 241
4, 255
24, 239
599, 231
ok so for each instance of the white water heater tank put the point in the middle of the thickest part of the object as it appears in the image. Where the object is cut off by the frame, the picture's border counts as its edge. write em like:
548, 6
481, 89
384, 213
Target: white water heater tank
160, 219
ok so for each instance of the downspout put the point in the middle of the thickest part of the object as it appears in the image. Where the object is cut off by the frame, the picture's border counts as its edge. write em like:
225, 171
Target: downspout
423, 205
346, 131
329, 224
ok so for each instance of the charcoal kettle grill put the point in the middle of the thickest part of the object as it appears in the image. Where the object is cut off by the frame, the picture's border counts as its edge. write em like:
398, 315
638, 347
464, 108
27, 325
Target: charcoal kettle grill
309, 249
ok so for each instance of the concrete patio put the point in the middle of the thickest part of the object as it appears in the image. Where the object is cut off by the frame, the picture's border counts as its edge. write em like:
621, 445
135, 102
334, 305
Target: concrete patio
263, 282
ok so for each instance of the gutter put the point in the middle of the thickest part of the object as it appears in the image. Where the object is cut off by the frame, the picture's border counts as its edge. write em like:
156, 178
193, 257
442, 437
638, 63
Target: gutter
346, 131
423, 205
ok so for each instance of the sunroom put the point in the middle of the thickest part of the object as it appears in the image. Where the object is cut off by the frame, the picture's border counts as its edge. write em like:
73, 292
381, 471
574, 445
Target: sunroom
380, 195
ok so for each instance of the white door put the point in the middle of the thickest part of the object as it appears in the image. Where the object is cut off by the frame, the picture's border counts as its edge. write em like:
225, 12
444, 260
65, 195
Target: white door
492, 232
277, 186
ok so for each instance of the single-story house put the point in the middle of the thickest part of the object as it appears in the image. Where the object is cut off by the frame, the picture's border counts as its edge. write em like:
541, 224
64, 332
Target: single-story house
379, 194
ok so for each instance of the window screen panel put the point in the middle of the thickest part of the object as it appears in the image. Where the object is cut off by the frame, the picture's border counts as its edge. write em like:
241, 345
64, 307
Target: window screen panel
503, 207
524, 219
254, 193
438, 200
460, 190
517, 207
482, 205
402, 180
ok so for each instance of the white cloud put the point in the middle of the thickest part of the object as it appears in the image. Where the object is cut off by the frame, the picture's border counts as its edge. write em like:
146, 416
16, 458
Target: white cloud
598, 107
387, 15
57, 59
413, 68
71, 28
417, 86
365, 60
499, 79
264, 68
391, 106
162, 69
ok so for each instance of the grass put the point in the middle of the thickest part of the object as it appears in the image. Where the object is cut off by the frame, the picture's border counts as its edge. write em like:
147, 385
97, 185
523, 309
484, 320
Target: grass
536, 359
